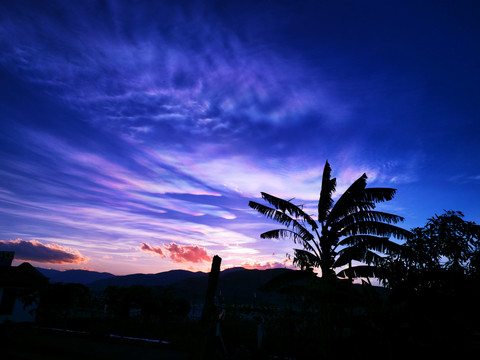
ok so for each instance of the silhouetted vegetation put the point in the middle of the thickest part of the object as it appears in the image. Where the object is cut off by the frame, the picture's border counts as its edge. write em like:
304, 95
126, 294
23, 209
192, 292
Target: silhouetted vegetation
430, 318
345, 231
444, 251
427, 306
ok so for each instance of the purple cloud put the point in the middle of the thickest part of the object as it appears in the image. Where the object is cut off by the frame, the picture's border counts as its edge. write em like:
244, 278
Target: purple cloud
35, 251
164, 124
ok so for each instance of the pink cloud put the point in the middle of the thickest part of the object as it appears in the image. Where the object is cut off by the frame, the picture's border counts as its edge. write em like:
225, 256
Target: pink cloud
156, 249
268, 265
187, 253
36, 251
179, 253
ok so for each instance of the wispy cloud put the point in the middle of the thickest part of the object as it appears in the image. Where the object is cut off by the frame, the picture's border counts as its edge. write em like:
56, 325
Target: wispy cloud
31, 250
168, 196
160, 126
222, 84
464, 179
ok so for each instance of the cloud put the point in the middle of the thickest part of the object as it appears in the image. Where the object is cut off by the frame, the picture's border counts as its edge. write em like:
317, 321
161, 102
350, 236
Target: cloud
173, 129
187, 253
35, 251
179, 253
156, 249
268, 265
208, 78
464, 179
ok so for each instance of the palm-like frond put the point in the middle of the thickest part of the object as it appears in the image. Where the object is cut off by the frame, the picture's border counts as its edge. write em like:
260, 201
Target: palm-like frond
368, 215
350, 198
271, 213
353, 207
375, 243
305, 259
362, 271
287, 233
377, 195
373, 216
370, 257
283, 234
360, 202
355, 240
375, 228
347, 255
328, 187
286, 206
361, 254
281, 218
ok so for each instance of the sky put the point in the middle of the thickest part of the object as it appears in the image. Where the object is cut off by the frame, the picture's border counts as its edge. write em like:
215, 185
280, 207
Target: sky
134, 133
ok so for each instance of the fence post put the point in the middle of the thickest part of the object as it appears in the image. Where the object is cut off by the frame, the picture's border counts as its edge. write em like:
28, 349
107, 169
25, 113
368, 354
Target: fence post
208, 322
209, 306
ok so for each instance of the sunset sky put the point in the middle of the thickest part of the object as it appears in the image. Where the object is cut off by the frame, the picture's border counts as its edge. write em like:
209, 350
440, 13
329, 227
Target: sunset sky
134, 133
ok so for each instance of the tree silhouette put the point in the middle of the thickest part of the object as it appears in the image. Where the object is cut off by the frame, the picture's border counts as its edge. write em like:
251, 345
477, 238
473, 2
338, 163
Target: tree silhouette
435, 284
347, 230
447, 247
454, 237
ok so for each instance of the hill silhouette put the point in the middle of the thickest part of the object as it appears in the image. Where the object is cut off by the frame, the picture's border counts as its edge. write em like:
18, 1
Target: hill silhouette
166, 278
74, 276
236, 285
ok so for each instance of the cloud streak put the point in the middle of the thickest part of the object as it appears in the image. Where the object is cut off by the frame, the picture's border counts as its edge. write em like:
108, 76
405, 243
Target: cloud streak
220, 85
163, 125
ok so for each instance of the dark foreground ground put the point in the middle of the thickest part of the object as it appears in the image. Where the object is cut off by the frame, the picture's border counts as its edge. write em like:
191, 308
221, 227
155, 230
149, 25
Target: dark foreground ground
30, 343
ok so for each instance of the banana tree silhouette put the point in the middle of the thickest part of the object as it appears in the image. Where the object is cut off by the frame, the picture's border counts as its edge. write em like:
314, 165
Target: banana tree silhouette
345, 231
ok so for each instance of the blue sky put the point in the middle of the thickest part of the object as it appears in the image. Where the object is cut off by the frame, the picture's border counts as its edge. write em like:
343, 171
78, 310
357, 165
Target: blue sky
134, 133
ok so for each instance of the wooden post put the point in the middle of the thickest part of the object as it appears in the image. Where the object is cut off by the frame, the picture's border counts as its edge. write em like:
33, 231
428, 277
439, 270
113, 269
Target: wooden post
208, 322
209, 306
